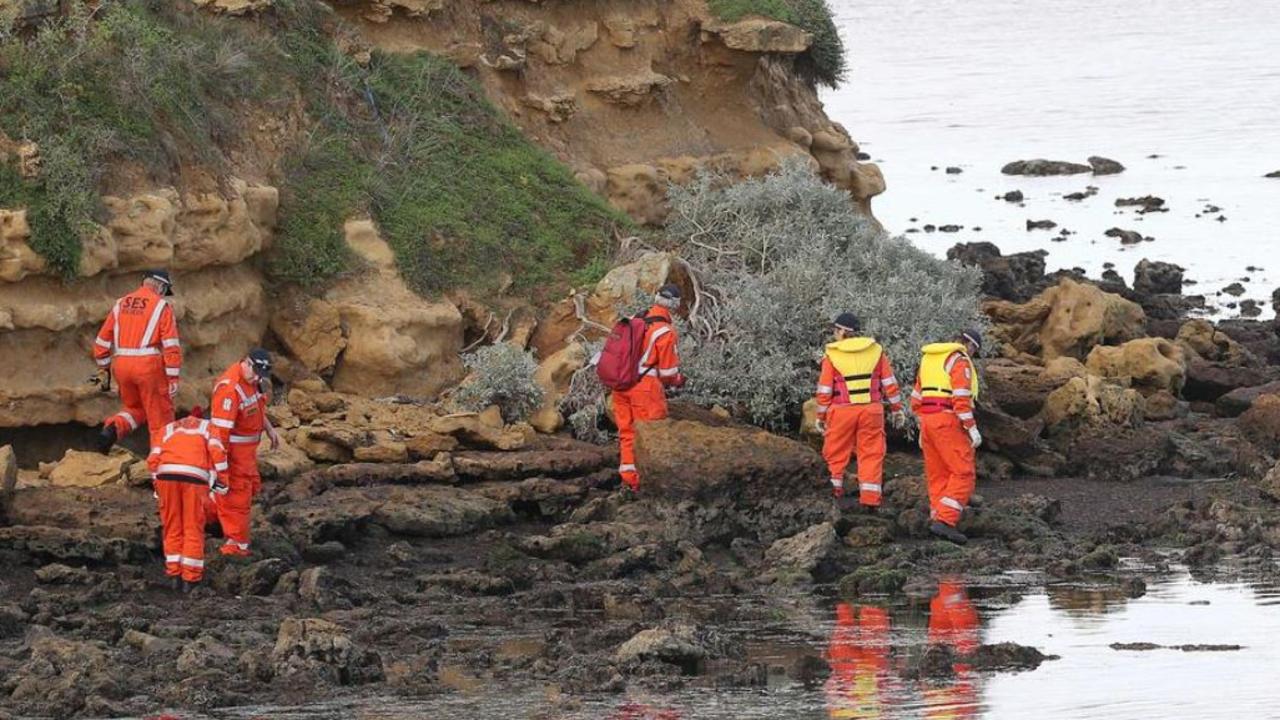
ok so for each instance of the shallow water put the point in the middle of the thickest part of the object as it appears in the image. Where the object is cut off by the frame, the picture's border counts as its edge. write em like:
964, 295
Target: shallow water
872, 647
978, 84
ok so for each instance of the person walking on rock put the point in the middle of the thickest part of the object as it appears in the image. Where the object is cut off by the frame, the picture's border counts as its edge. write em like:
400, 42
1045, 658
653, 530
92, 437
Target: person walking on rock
855, 382
659, 368
946, 389
138, 344
239, 416
186, 464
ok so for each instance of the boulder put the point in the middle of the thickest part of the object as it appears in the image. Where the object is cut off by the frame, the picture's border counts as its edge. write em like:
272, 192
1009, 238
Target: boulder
760, 35
1233, 403
60, 674
1208, 381
8, 469
1126, 237
1068, 319
1163, 405
91, 469
1092, 402
1146, 363
553, 376
1151, 278
676, 645
1104, 166
59, 574
689, 460
1042, 167
1261, 423
1205, 340
310, 329
1013, 277
805, 553
313, 646
204, 653
1018, 389
472, 430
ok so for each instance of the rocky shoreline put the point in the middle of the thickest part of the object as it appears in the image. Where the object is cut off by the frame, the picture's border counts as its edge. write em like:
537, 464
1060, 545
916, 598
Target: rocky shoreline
405, 552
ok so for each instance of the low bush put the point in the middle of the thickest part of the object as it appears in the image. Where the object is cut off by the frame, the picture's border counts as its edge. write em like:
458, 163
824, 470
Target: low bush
779, 257
502, 375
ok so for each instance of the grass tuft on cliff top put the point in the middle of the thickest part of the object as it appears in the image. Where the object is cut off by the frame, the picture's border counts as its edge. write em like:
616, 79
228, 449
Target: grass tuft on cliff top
459, 193
824, 62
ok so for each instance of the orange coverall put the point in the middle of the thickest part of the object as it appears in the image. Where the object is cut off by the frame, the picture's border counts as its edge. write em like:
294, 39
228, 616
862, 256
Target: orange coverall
859, 658
944, 436
238, 411
954, 621
139, 342
183, 465
855, 418
647, 399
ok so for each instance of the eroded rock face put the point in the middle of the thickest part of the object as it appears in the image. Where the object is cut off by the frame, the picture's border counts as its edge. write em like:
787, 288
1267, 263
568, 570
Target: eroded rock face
1013, 277
760, 35
1092, 402
1148, 363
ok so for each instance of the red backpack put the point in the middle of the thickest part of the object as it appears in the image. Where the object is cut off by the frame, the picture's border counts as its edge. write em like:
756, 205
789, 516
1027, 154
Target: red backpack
618, 364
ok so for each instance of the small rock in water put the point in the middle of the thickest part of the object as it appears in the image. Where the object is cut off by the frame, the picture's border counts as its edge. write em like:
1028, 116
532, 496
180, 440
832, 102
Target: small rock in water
1105, 166
1146, 203
1012, 196
930, 228
1108, 265
1208, 648
1235, 289
1253, 268
1007, 656
862, 156
1221, 218
1135, 646
1077, 196
1041, 224
950, 228
1211, 209
1127, 237
953, 170
1041, 167
977, 228
1250, 308
1275, 174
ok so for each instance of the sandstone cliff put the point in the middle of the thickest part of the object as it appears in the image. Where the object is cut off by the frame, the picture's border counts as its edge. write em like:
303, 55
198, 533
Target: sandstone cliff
631, 96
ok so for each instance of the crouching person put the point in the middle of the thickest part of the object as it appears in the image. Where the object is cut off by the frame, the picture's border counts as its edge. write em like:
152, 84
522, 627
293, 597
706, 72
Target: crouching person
185, 466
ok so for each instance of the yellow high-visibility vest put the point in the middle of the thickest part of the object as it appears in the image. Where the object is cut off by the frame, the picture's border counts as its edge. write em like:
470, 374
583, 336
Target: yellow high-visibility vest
855, 359
935, 376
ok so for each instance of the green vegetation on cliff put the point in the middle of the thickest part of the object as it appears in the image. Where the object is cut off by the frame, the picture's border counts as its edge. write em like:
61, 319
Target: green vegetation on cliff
409, 140
824, 63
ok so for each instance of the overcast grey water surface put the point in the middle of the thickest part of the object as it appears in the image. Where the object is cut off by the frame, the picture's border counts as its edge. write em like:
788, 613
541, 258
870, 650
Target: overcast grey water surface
976, 84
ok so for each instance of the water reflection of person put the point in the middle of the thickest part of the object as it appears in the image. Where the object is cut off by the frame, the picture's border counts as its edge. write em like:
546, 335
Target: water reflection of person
953, 622
859, 659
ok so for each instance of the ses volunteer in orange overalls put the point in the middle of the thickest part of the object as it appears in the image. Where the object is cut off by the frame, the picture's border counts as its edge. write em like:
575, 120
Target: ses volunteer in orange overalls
953, 622
138, 343
855, 382
185, 465
239, 412
659, 369
946, 388
858, 654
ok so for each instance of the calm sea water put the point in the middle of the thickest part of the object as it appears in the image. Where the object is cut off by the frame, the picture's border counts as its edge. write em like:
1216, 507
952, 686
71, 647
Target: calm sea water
977, 84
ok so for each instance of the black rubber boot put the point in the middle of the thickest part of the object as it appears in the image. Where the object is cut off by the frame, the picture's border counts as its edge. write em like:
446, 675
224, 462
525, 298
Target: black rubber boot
189, 588
948, 533
175, 583
871, 509
846, 503
106, 438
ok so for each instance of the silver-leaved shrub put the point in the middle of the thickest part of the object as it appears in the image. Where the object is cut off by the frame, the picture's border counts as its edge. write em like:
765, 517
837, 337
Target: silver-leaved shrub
502, 375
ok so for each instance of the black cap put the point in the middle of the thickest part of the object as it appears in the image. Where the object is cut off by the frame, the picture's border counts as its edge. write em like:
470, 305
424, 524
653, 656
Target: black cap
669, 291
848, 321
162, 276
974, 336
260, 359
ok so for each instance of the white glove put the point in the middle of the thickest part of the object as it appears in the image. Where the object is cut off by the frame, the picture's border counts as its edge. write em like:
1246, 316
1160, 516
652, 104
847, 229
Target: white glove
820, 427
898, 419
975, 437
217, 487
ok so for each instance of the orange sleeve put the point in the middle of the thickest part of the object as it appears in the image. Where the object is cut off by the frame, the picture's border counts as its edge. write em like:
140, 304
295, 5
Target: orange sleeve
917, 400
102, 345
826, 386
153, 460
217, 453
962, 391
223, 408
666, 359
888, 383
170, 346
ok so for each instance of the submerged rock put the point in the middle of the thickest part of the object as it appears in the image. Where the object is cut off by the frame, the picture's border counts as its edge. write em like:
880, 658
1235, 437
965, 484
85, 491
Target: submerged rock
1104, 166
1157, 277
1042, 167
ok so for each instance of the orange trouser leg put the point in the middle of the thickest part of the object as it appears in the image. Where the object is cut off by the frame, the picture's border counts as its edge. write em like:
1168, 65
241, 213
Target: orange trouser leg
193, 496
646, 401
948, 464
871, 448
144, 392
132, 412
235, 508
169, 493
624, 417
837, 444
